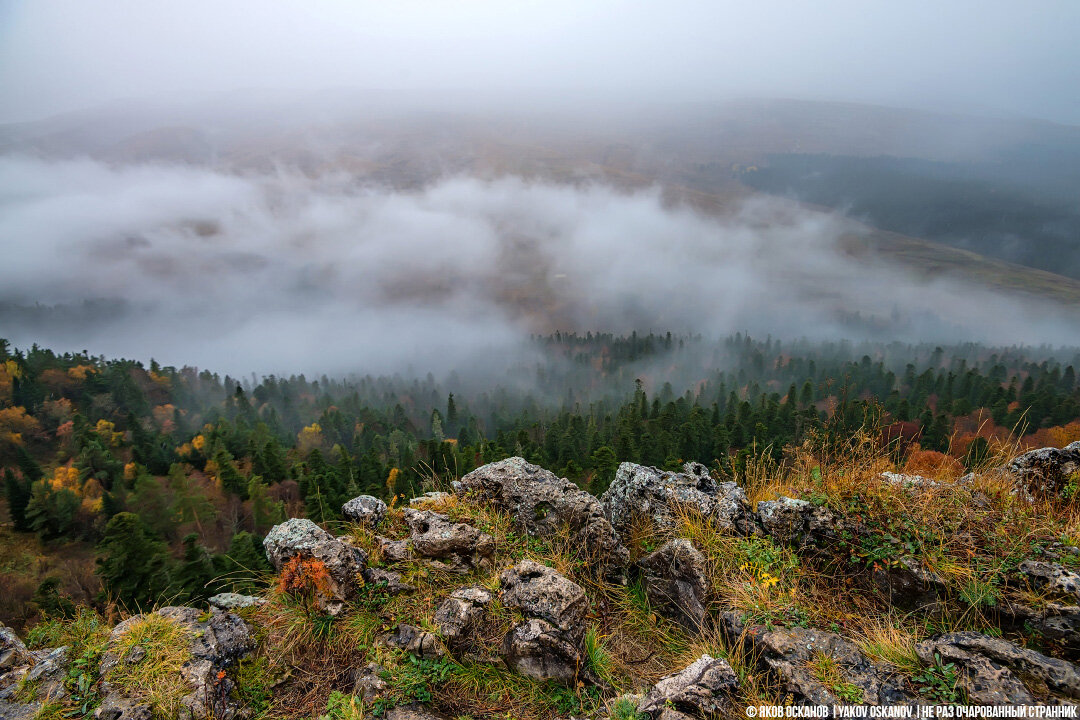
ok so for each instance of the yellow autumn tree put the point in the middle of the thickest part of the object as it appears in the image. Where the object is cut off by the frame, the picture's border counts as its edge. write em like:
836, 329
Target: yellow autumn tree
15, 424
391, 481
310, 438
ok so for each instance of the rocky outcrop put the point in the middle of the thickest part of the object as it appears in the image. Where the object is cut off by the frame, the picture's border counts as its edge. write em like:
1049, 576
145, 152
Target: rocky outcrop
993, 670
387, 581
418, 643
235, 601
542, 503
537, 649
447, 545
215, 643
547, 645
790, 521
369, 683
699, 690
1056, 614
1046, 471
640, 492
364, 510
394, 551
797, 660
460, 612
303, 539
676, 583
43, 670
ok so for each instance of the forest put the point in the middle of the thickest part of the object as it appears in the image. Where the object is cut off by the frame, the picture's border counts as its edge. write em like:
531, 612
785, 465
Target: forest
126, 484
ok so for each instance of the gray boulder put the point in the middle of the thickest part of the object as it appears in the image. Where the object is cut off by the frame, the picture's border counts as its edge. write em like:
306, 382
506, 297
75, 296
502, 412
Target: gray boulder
447, 545
1046, 471
542, 503
460, 612
676, 583
216, 643
538, 649
414, 712
790, 521
365, 510
542, 592
368, 683
235, 601
699, 690
1057, 615
300, 538
13, 653
640, 492
992, 669
386, 581
394, 552
416, 642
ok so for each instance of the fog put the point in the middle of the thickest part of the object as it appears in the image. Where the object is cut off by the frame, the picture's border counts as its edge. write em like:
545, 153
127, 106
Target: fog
987, 55
283, 273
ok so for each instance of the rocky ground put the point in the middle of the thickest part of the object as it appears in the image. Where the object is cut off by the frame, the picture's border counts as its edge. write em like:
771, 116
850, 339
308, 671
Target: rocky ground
515, 594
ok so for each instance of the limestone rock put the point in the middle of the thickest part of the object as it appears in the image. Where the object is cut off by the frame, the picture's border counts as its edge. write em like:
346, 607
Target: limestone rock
541, 502
394, 551
455, 547
539, 650
645, 492
386, 581
365, 509
676, 582
429, 499
413, 712
13, 653
1046, 471
459, 613
215, 643
416, 642
235, 601
368, 684
790, 521
541, 592
699, 690
787, 654
302, 538
992, 668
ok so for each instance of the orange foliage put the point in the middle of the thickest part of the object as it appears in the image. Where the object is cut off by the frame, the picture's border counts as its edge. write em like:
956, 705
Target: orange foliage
306, 577
1053, 437
79, 372
130, 471
198, 442
163, 416
932, 464
60, 410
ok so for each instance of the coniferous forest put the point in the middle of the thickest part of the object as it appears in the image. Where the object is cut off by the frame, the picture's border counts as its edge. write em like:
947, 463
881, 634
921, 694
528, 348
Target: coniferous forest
127, 484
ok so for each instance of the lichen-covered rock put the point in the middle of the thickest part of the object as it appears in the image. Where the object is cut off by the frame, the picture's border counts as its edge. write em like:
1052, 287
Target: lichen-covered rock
1057, 615
394, 552
43, 670
790, 521
699, 690
447, 545
992, 668
542, 502
365, 509
676, 582
429, 500
459, 613
906, 480
416, 642
304, 539
542, 592
13, 653
235, 601
216, 643
387, 581
368, 683
645, 492
1046, 471
538, 649
789, 655
907, 582
118, 707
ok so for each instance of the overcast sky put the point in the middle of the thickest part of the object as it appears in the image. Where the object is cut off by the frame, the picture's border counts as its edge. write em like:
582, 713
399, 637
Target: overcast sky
982, 55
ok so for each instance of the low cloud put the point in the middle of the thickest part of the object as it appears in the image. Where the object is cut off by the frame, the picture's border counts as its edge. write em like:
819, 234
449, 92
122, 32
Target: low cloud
284, 273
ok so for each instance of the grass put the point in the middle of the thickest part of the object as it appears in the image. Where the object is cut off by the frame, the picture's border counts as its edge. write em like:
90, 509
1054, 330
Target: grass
156, 678
828, 672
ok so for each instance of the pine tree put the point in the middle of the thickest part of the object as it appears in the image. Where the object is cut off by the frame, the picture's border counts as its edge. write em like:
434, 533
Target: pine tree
133, 565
